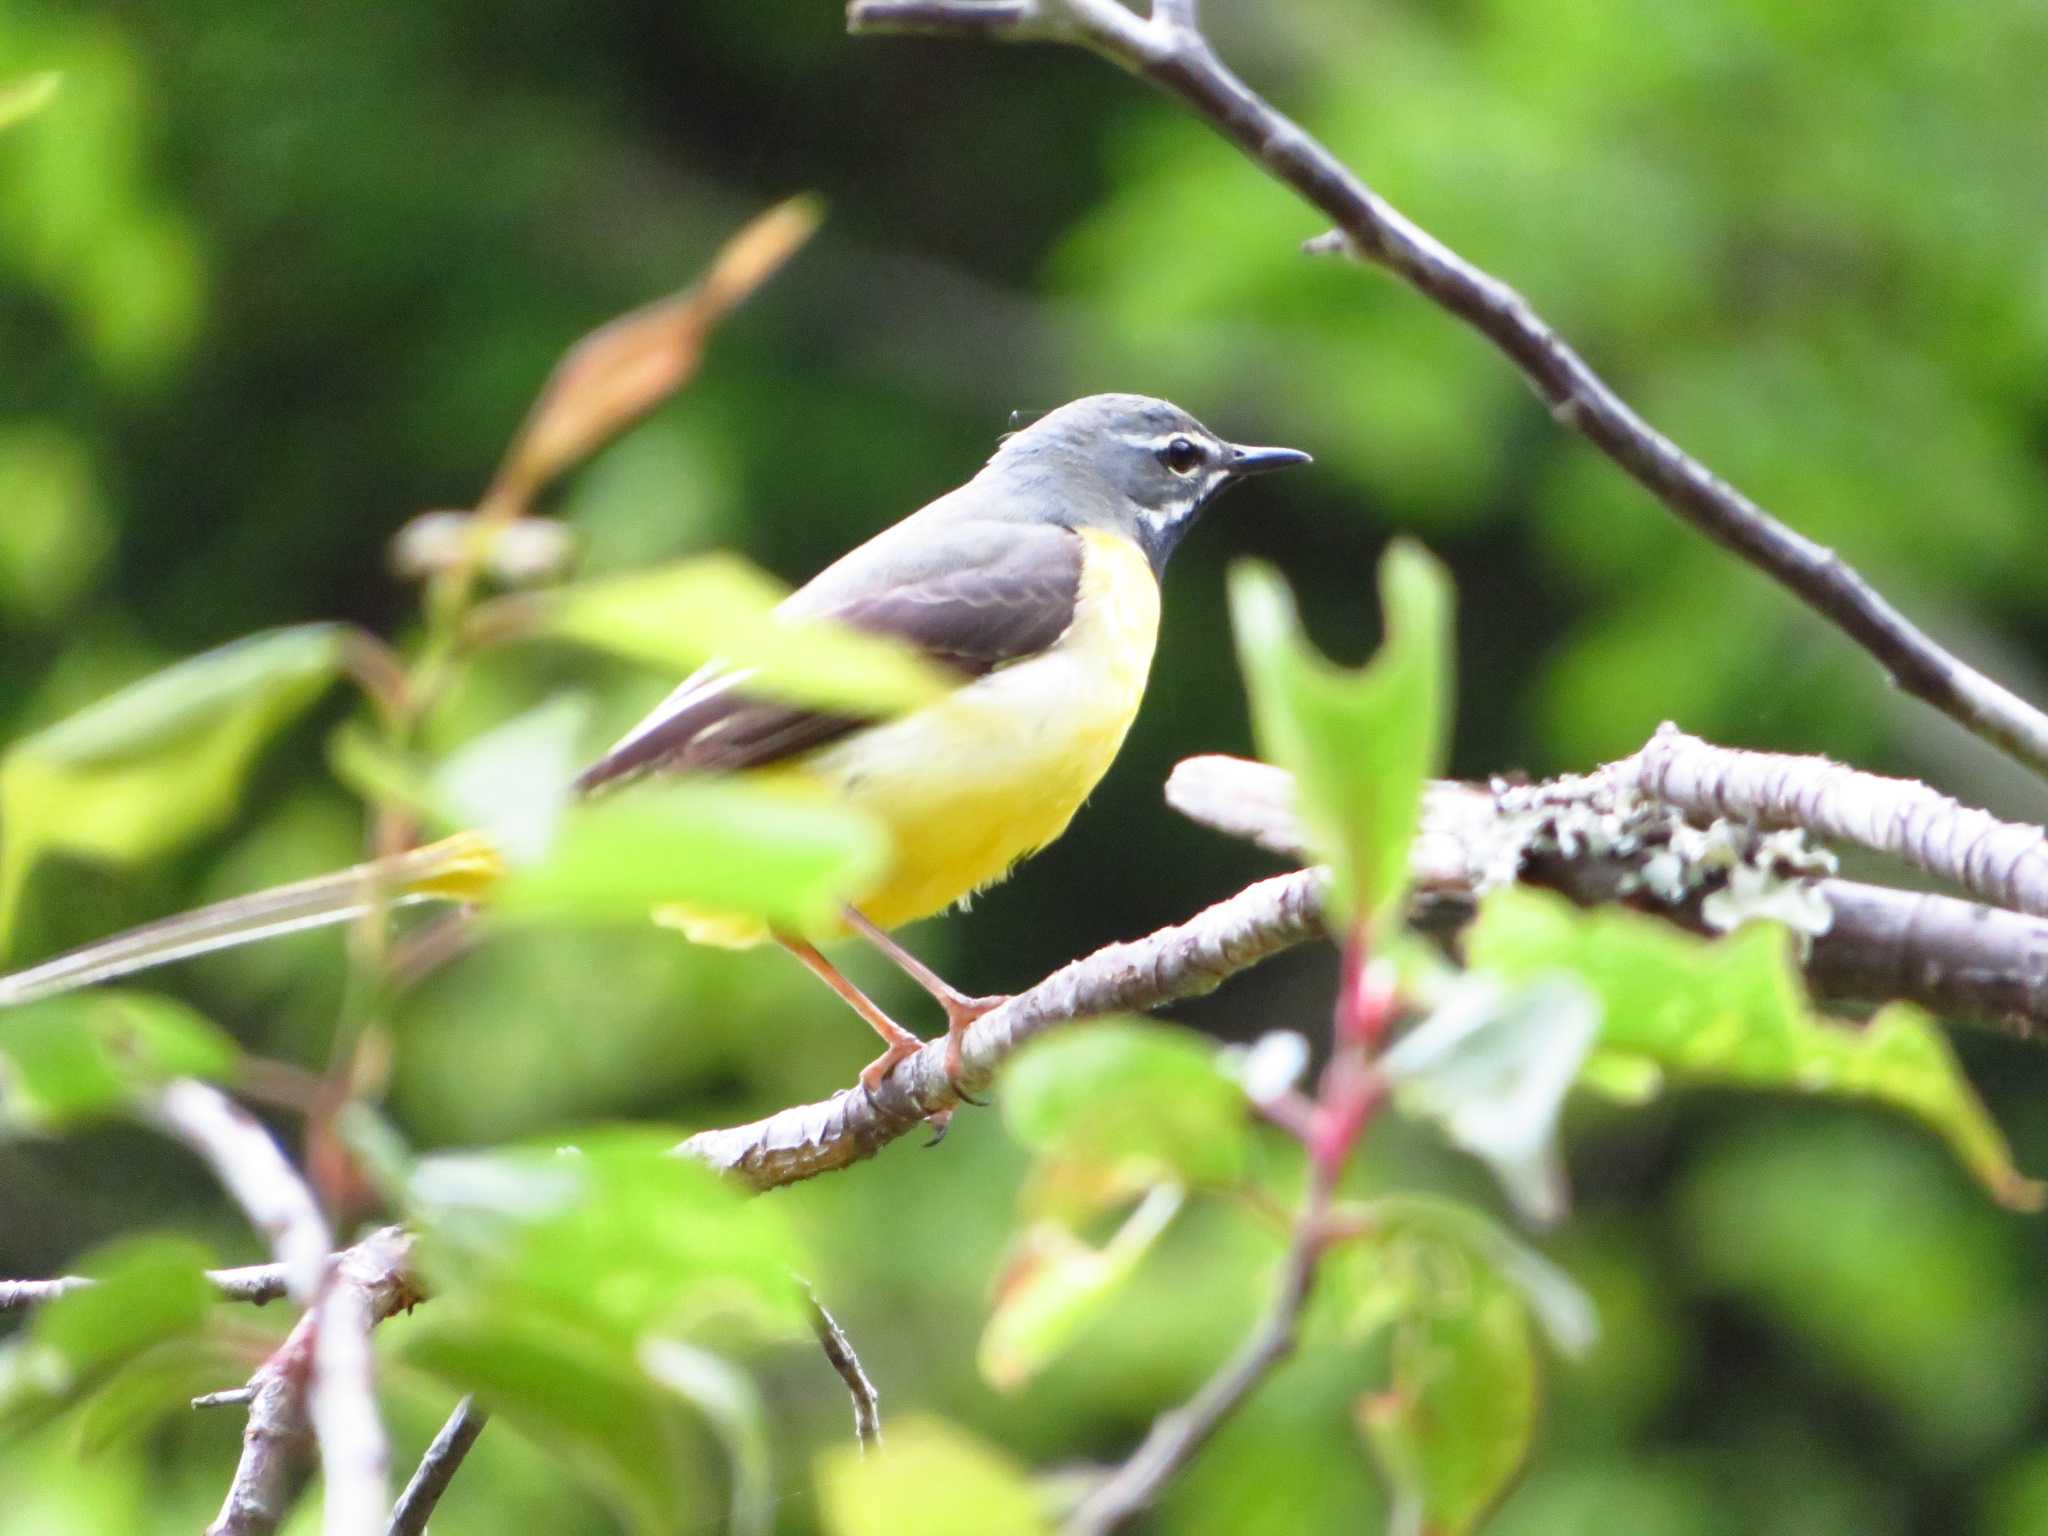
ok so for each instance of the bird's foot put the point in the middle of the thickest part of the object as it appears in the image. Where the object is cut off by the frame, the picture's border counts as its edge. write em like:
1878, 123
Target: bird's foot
900, 1049
961, 1012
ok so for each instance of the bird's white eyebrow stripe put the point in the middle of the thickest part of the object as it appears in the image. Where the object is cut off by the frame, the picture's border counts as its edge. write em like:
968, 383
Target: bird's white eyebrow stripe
1160, 442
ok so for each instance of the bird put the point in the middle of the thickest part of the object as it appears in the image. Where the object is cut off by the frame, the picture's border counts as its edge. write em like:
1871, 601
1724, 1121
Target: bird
1034, 586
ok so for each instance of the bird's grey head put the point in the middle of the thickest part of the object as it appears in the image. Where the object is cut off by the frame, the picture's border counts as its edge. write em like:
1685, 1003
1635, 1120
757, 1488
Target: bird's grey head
1137, 466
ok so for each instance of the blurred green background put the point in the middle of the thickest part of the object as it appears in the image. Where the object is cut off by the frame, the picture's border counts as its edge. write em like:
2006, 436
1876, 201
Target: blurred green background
275, 278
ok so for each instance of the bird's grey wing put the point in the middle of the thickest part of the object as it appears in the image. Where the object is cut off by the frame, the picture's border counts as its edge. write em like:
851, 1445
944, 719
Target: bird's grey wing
972, 596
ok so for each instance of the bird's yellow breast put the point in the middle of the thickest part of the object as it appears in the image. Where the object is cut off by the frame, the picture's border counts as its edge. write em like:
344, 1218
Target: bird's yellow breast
994, 771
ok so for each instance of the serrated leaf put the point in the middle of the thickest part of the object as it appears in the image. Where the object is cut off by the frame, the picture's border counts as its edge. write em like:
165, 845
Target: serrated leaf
88, 1054
159, 762
729, 1401
577, 1391
765, 851
1733, 1010
1492, 1065
718, 606
1417, 1248
158, 1384
1053, 1285
930, 1479
572, 1284
611, 1227
1453, 1428
1361, 743
1133, 1100
148, 1290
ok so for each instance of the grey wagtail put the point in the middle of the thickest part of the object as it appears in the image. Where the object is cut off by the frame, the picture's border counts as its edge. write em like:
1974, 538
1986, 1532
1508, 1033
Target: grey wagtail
1036, 582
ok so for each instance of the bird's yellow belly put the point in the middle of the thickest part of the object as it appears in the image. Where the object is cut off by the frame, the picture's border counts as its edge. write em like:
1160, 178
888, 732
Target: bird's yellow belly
968, 786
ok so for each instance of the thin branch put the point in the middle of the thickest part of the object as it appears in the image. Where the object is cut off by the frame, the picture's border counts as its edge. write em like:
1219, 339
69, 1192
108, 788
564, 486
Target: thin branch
254, 1283
20, 1295
233, 1397
1183, 961
949, 18
2002, 862
367, 1285
839, 1351
437, 1469
1169, 52
253, 1169
374, 1280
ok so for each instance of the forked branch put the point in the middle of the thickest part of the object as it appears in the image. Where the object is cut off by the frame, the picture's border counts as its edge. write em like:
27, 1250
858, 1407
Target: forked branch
1168, 49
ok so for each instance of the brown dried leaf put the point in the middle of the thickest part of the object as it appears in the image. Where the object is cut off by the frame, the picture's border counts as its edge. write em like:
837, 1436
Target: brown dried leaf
625, 368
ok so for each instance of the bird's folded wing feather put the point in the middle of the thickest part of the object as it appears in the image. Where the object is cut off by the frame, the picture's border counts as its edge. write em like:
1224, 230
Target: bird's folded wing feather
973, 596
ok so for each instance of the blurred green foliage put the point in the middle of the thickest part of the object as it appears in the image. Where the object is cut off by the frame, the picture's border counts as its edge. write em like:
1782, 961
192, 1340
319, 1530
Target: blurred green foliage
274, 280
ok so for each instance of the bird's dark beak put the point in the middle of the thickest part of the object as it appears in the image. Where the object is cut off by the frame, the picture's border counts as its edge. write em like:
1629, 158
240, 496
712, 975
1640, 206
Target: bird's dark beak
1258, 461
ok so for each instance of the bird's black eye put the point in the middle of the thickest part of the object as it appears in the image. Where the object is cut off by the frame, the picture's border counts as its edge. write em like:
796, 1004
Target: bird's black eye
1181, 455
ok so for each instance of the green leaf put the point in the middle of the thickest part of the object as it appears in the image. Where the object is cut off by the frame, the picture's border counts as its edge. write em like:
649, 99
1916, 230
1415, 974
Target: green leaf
1417, 1248
159, 762
611, 1227
1453, 1428
91, 1053
930, 1479
564, 1279
513, 782
728, 1399
1492, 1066
1131, 1100
149, 1290
1360, 743
716, 606
1733, 1010
575, 1391
1054, 1285
57, 531
23, 98
762, 851
157, 1384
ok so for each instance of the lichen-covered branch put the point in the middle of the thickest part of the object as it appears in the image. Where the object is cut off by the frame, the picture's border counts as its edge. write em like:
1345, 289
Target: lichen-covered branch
2001, 862
1168, 49
1953, 956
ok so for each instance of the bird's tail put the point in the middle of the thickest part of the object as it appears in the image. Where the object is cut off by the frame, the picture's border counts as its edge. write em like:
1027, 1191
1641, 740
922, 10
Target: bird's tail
462, 868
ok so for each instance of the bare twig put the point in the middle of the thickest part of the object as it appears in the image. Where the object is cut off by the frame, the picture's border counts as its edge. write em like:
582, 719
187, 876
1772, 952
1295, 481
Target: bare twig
1168, 50
839, 1351
327, 1351
1183, 961
19, 1295
375, 1278
233, 1397
2002, 862
255, 1283
437, 1469
254, 1170
367, 1285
